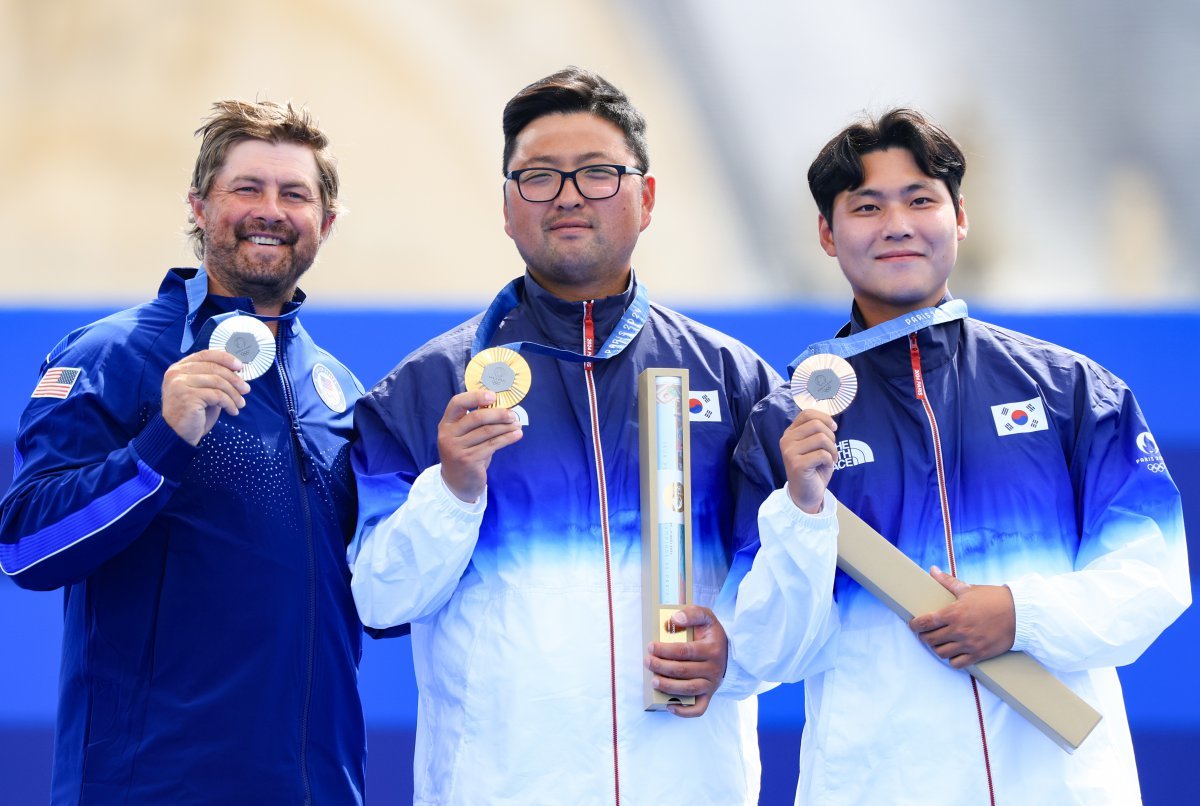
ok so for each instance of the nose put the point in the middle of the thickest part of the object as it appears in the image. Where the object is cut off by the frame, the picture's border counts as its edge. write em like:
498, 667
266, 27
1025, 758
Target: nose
267, 206
896, 225
569, 196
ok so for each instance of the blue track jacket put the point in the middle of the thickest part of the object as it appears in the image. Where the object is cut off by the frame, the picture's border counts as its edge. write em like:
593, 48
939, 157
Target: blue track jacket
526, 608
1009, 461
210, 644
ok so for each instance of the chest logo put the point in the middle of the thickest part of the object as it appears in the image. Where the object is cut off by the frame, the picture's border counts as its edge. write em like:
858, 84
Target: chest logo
1023, 417
328, 388
851, 452
704, 407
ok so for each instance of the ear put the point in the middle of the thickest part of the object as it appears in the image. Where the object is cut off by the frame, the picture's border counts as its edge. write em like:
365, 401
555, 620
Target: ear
648, 187
962, 218
197, 205
504, 197
327, 225
825, 236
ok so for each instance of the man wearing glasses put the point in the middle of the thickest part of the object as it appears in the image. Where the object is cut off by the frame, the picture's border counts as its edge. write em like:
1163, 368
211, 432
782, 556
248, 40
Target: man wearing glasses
509, 538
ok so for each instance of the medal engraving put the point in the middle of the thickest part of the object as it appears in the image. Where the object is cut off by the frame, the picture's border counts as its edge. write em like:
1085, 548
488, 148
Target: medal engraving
243, 346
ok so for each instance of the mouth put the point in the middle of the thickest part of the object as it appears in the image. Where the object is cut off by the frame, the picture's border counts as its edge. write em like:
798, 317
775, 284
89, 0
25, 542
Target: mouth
569, 224
898, 255
265, 240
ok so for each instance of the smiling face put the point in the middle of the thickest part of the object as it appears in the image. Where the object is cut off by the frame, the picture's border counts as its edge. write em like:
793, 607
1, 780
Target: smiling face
895, 236
263, 222
577, 248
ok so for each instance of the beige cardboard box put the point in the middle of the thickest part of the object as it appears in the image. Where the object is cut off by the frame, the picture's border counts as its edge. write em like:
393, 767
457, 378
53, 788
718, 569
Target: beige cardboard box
1014, 677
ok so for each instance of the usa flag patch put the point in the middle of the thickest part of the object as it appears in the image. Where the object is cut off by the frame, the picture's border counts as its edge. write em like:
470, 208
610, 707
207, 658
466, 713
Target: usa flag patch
57, 382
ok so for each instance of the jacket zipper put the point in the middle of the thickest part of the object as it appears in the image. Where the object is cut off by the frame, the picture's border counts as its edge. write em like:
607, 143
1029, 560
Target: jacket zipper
944, 498
589, 344
301, 465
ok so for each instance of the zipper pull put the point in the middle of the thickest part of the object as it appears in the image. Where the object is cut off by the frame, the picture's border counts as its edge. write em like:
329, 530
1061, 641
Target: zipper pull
298, 439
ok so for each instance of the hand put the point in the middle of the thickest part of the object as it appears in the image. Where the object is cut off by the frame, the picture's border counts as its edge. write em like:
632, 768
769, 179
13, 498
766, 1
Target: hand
694, 667
980, 624
809, 451
197, 388
468, 435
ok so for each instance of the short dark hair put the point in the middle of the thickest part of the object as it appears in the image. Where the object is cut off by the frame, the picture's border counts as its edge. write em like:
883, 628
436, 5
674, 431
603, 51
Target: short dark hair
839, 165
574, 89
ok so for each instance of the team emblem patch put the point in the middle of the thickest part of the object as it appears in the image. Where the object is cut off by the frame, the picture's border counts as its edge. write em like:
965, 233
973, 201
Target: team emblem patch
328, 388
1023, 417
57, 382
704, 407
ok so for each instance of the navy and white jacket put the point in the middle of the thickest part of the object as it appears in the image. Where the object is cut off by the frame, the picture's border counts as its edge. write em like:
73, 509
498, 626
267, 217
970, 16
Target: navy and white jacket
210, 644
526, 607
1002, 459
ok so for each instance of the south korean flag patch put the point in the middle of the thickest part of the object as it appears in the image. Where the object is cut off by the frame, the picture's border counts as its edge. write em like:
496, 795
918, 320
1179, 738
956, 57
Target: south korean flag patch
704, 407
1023, 417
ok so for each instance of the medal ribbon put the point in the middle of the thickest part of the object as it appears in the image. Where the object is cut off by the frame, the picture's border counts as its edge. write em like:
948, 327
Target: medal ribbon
901, 326
509, 297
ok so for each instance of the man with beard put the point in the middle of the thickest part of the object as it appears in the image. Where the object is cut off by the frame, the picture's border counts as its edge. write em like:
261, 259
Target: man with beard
182, 474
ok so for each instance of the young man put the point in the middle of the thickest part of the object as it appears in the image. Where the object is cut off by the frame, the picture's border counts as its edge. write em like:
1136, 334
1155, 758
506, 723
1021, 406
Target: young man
1023, 470
511, 542
196, 517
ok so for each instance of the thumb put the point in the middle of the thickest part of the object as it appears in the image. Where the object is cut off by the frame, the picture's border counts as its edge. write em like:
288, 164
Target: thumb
952, 584
691, 616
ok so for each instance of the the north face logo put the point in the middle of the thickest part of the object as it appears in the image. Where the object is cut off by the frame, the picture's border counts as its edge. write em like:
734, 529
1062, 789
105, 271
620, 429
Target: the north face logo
853, 452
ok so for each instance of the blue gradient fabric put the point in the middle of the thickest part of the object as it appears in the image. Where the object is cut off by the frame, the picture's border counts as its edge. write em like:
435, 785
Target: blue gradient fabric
508, 599
1053, 486
210, 643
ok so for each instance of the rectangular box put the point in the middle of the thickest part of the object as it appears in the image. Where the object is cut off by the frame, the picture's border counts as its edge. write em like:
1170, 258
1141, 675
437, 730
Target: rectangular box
1014, 677
666, 478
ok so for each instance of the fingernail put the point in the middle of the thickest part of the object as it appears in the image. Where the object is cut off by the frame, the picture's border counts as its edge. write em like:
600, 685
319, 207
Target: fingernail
489, 397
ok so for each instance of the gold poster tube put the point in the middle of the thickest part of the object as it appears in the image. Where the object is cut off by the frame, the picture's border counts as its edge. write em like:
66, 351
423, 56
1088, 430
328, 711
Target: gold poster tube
666, 486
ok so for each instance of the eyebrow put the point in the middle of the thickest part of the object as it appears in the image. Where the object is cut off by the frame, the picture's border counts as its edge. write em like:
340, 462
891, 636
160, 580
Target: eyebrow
581, 159
872, 193
258, 180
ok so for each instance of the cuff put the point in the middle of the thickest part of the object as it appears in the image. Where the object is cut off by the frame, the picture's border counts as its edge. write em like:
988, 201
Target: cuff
466, 507
167, 453
1022, 615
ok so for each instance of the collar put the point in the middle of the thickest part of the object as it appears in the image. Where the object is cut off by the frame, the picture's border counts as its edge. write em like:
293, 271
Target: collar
938, 345
562, 321
203, 307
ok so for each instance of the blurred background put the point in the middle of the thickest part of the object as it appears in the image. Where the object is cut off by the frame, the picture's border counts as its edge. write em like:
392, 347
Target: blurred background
1078, 120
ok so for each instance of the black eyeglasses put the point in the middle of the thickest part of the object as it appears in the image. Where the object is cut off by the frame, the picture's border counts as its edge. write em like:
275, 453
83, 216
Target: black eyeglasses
592, 181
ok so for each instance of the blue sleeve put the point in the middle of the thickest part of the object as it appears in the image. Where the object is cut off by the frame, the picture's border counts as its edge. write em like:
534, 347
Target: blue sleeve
87, 479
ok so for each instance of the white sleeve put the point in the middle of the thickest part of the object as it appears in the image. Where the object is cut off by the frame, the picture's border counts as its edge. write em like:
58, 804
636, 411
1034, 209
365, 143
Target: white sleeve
785, 621
407, 565
1106, 613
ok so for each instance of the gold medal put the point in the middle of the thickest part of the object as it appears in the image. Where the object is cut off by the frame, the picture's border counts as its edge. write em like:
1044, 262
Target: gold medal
502, 371
824, 382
